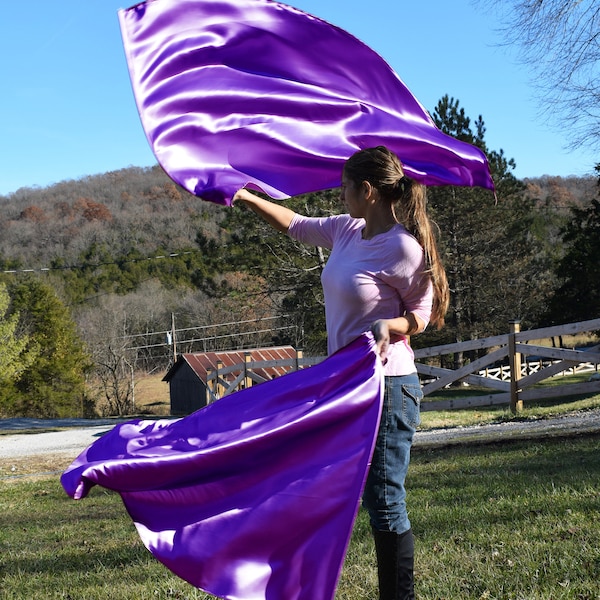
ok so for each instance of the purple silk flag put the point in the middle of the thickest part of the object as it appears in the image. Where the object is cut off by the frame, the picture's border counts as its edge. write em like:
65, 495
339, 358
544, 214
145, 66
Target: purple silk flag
255, 495
253, 92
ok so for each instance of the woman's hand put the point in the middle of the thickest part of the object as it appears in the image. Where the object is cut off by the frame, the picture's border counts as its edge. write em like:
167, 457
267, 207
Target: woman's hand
244, 195
276, 215
381, 332
386, 331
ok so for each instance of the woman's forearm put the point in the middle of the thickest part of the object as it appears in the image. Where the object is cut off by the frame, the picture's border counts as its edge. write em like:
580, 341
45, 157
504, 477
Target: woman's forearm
276, 215
384, 330
409, 324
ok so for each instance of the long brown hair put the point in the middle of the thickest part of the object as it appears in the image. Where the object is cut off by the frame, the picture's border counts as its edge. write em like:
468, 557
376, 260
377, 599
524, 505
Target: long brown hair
383, 170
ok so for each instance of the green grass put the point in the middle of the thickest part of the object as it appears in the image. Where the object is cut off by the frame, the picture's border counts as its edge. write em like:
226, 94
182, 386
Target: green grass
512, 521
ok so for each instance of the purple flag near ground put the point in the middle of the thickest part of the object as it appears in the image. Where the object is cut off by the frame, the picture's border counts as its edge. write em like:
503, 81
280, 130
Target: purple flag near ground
253, 496
238, 92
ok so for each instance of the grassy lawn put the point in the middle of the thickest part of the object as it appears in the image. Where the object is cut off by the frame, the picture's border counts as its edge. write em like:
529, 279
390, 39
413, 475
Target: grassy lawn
517, 520
512, 521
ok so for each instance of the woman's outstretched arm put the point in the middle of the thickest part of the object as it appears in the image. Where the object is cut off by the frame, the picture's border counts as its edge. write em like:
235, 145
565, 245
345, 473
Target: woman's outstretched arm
276, 215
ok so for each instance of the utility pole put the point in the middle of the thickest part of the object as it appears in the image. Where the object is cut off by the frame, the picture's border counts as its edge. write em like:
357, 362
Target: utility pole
173, 338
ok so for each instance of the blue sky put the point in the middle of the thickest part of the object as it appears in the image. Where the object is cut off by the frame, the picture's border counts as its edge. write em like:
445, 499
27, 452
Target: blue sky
67, 109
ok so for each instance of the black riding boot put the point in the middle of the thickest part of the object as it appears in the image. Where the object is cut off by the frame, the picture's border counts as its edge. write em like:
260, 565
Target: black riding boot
395, 560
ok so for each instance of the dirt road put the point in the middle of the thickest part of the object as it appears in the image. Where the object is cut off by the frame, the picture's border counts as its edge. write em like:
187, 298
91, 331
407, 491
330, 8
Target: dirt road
37, 437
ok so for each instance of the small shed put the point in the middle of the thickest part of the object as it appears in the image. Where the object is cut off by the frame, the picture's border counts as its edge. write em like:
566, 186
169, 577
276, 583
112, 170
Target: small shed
188, 377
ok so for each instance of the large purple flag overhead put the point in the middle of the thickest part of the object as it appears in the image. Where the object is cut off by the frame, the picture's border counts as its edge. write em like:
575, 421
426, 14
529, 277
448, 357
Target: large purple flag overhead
253, 92
253, 496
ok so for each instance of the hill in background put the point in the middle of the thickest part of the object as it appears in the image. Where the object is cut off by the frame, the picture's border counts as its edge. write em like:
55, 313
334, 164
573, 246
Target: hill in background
142, 208
137, 208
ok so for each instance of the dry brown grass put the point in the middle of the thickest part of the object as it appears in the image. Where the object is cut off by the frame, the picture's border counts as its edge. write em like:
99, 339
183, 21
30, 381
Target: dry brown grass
571, 341
18, 469
152, 394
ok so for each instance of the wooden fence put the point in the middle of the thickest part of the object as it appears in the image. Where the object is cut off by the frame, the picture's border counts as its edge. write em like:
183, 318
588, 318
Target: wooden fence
503, 368
223, 381
522, 375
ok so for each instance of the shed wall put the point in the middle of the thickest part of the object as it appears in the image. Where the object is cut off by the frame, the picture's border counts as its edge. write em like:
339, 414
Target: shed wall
187, 391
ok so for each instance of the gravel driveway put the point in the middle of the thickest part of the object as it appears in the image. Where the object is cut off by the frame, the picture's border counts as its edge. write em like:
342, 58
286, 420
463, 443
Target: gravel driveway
75, 435
70, 441
576, 423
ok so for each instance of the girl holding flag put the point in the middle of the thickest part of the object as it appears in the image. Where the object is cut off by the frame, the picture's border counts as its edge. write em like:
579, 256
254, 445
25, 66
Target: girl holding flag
384, 274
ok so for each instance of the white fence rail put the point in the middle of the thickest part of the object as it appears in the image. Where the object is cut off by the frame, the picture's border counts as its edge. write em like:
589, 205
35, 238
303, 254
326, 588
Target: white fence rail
502, 373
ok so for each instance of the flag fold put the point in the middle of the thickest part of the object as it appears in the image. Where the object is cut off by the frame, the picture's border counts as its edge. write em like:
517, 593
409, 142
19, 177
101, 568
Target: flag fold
255, 495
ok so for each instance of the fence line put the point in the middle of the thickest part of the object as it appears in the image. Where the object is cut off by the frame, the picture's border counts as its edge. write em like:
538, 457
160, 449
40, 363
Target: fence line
241, 375
522, 376
504, 368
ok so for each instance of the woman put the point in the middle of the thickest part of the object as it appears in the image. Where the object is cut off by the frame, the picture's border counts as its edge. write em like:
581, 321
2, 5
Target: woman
383, 274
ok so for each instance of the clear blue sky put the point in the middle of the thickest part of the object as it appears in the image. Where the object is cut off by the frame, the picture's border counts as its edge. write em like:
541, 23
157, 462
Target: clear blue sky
67, 109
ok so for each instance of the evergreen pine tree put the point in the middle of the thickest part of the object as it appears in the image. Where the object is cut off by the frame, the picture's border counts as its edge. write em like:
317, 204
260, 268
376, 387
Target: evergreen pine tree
54, 384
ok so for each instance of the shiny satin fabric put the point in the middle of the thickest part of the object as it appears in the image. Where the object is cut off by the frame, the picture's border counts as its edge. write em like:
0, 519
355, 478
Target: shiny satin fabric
253, 92
254, 496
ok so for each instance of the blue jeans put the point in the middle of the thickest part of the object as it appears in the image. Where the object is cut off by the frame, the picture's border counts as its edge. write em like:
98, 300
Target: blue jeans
384, 496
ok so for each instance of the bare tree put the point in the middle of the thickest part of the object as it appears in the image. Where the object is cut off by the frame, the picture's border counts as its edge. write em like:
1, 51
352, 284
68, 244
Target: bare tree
560, 41
111, 379
115, 379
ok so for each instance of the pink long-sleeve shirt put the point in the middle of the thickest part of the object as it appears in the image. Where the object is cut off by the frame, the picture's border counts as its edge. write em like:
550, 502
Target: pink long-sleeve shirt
365, 280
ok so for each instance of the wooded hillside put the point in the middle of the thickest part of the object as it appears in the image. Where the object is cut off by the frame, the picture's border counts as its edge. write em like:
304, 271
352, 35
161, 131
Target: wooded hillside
143, 210
133, 258
561, 192
133, 208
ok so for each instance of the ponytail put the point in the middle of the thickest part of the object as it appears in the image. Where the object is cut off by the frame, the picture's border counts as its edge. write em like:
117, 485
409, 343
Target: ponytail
411, 211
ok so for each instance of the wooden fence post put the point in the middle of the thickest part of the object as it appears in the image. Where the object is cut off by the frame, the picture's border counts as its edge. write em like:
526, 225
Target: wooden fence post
299, 355
219, 388
247, 378
210, 386
514, 360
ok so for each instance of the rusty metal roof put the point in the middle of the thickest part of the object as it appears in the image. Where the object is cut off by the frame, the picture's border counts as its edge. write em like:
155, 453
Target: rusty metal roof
203, 362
